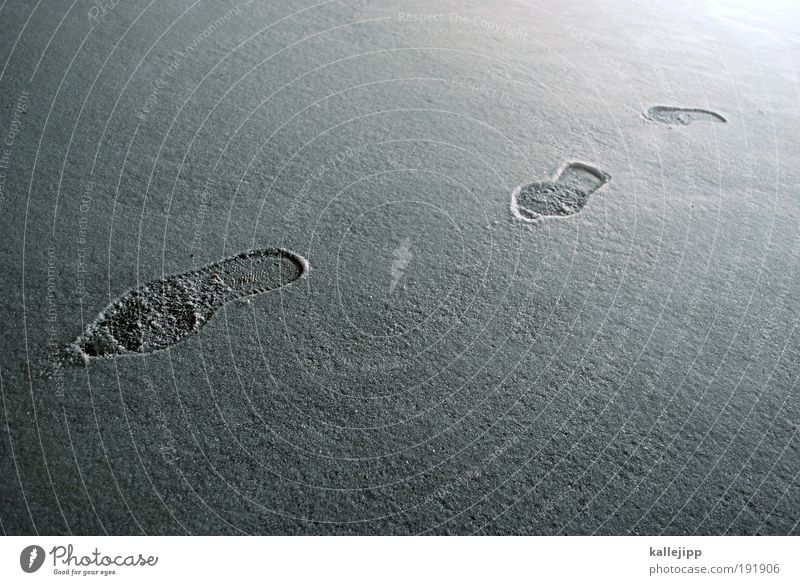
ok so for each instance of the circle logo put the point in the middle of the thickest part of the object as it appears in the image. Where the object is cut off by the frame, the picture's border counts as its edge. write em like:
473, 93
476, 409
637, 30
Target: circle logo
31, 558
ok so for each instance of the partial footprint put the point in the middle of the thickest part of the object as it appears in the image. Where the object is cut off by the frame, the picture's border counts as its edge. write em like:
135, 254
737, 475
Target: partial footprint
163, 312
681, 116
566, 195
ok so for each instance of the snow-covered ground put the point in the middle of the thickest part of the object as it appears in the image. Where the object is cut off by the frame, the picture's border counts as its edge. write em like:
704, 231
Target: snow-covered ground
617, 356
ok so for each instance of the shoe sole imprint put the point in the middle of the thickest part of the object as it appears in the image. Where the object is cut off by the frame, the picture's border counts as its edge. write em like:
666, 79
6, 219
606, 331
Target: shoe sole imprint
565, 195
163, 312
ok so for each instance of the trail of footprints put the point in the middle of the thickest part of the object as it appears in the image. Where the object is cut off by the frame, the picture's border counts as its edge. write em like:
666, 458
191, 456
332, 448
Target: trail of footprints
163, 312
570, 189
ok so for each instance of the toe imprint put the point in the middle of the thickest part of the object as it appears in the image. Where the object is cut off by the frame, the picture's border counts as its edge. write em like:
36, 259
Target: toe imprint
163, 312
